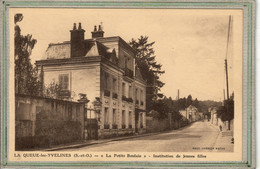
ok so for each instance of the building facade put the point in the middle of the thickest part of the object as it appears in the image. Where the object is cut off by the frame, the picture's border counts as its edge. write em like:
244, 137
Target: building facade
104, 69
193, 113
213, 115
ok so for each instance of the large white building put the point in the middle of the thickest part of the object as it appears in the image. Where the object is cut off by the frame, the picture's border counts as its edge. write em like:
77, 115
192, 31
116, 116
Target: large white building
104, 69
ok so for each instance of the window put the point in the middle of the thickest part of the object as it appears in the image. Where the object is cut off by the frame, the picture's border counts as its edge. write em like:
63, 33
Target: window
136, 96
123, 117
141, 95
114, 116
123, 89
130, 118
64, 81
130, 91
106, 82
114, 85
106, 117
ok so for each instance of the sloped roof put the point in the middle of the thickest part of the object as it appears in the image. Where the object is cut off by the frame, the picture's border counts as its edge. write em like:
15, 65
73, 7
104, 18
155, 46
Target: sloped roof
58, 51
95, 48
62, 50
138, 74
192, 107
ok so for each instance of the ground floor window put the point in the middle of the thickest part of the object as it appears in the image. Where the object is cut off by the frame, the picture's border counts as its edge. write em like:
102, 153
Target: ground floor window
123, 119
130, 119
141, 120
106, 118
114, 116
114, 125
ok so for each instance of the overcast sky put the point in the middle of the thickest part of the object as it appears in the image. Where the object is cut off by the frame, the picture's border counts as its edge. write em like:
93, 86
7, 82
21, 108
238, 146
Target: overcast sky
190, 44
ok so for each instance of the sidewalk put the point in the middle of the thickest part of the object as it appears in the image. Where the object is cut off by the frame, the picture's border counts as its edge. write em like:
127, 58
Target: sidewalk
223, 142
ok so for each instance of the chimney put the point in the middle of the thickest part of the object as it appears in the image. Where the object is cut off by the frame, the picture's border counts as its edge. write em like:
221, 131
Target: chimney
77, 41
97, 33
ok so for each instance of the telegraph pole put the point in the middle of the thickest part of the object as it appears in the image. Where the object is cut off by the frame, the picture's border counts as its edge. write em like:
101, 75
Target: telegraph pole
226, 66
227, 78
224, 94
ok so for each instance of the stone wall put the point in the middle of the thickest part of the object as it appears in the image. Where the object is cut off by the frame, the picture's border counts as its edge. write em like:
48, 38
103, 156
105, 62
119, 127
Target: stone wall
42, 122
159, 125
155, 125
224, 125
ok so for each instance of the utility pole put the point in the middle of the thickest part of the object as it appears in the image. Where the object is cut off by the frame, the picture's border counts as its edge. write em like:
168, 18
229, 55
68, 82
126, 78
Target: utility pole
178, 94
227, 78
224, 94
186, 111
226, 66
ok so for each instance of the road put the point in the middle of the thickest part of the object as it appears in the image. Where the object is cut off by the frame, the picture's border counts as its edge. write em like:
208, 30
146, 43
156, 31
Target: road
199, 136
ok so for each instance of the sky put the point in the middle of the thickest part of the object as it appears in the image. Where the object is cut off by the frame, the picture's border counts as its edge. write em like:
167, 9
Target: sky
190, 44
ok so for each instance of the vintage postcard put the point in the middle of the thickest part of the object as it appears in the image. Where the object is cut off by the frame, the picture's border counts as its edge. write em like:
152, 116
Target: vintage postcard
129, 85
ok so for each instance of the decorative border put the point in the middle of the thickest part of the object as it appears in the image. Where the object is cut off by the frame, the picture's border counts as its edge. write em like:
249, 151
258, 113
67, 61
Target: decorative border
248, 74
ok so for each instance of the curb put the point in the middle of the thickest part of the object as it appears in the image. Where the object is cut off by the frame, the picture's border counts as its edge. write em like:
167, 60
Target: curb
110, 140
107, 141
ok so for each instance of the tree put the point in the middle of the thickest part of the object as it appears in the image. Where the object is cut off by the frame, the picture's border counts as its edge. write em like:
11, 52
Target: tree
226, 112
149, 68
181, 104
206, 104
52, 90
161, 107
26, 78
189, 100
196, 104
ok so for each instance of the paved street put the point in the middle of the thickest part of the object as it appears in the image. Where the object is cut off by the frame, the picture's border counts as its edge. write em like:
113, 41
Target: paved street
199, 136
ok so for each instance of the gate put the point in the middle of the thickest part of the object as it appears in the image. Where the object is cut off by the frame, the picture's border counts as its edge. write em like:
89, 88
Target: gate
92, 128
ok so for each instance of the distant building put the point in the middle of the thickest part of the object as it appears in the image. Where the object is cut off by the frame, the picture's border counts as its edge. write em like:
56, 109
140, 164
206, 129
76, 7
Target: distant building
104, 69
193, 114
184, 114
213, 115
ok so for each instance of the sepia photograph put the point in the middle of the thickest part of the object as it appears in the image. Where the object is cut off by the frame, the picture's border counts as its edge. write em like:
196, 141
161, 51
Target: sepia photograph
104, 84
96, 81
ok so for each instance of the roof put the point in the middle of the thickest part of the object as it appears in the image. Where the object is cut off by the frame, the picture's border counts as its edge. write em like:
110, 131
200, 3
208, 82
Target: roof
93, 47
58, 51
138, 74
96, 49
62, 50
116, 39
192, 107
